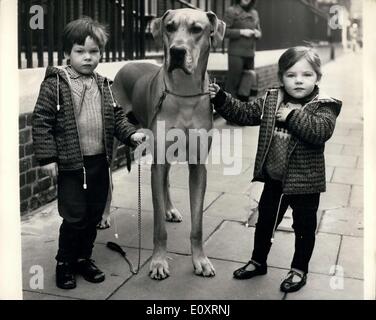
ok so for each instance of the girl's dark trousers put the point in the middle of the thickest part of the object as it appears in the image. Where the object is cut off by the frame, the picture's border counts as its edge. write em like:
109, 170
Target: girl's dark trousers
81, 209
304, 213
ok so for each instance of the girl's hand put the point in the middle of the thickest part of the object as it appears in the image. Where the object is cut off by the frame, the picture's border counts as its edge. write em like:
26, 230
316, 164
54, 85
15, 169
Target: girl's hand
284, 111
50, 169
138, 138
213, 90
282, 114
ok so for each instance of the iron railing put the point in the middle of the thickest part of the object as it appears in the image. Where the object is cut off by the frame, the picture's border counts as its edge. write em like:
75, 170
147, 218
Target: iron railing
284, 23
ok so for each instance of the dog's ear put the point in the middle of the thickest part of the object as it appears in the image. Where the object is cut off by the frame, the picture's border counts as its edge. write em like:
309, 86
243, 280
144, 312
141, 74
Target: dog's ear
218, 28
156, 28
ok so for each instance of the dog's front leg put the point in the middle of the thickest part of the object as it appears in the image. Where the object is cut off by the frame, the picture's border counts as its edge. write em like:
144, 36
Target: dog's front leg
197, 188
159, 266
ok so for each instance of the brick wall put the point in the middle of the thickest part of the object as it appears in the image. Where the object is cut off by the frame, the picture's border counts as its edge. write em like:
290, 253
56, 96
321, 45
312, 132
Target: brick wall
35, 189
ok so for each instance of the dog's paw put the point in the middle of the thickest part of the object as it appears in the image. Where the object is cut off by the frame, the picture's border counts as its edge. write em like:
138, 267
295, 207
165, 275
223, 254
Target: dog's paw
159, 269
203, 267
173, 215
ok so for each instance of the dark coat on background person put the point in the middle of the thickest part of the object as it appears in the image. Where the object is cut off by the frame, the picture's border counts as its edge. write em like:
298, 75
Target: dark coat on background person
55, 132
310, 127
237, 18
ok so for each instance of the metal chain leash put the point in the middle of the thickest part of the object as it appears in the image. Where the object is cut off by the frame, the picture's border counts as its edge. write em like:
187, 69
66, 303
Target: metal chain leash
116, 247
139, 218
138, 225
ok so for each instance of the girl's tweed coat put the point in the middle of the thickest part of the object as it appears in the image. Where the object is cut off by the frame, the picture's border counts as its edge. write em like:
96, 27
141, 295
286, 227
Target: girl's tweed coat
310, 127
55, 132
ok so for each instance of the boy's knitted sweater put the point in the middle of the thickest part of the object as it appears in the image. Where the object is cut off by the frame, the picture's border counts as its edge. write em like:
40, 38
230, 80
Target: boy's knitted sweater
55, 127
87, 104
310, 128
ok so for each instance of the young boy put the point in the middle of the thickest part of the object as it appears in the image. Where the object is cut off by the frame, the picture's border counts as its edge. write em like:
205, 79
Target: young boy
295, 122
74, 123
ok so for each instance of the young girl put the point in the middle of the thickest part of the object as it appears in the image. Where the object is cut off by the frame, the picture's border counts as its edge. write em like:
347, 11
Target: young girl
295, 122
74, 123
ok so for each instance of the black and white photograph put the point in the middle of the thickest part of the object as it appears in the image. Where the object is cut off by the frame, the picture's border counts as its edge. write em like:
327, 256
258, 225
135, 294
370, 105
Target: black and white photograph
204, 150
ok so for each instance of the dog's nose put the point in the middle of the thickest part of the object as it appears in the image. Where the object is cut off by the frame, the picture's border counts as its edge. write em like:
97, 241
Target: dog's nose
178, 53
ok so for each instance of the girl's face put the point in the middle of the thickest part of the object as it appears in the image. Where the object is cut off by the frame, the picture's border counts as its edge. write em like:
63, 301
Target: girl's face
85, 58
300, 80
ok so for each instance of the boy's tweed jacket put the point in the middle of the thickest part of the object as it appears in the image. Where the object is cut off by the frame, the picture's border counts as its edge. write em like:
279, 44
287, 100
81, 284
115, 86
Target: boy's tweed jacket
310, 127
55, 134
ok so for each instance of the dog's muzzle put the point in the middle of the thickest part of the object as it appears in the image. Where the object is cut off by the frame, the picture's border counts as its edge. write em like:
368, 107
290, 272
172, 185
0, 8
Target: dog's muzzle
177, 59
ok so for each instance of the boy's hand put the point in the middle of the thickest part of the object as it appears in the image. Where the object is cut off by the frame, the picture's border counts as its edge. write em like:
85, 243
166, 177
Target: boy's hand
213, 90
50, 169
138, 138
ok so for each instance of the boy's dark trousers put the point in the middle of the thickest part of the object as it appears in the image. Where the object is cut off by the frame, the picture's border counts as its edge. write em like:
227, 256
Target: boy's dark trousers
304, 208
81, 209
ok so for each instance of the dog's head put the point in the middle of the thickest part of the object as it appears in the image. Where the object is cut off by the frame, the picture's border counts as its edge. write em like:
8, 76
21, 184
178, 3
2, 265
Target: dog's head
187, 35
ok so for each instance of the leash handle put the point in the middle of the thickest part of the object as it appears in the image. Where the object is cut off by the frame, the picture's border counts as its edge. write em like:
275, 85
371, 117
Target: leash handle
115, 247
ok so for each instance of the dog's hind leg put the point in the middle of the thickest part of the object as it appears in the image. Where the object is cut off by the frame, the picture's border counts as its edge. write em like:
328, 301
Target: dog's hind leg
159, 267
172, 214
197, 188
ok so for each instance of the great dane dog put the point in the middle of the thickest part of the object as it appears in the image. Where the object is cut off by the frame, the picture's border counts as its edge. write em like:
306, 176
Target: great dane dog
175, 94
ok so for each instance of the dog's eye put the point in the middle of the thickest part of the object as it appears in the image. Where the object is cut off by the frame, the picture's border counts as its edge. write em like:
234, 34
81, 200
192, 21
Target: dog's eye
196, 29
170, 27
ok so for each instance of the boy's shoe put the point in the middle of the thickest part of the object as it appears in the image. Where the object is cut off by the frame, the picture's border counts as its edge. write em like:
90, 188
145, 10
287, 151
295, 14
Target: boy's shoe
89, 271
65, 278
289, 285
242, 273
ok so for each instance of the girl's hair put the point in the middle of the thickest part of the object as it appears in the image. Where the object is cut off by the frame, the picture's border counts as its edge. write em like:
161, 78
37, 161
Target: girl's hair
76, 32
251, 5
293, 55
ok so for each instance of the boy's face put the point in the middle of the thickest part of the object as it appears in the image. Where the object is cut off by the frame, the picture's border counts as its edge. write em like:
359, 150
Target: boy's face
300, 80
85, 58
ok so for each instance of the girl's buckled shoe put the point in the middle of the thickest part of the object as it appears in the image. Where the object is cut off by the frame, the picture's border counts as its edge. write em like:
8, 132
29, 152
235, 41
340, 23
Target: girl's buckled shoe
242, 273
288, 285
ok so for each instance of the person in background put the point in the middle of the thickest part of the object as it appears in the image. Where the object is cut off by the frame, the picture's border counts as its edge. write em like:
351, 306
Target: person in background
243, 30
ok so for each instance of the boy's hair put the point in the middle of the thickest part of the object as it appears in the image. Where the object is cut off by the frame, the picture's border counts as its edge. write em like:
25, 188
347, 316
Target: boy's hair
76, 32
294, 54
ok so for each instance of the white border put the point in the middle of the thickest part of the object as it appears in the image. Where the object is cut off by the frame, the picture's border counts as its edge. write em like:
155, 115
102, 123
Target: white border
10, 231
369, 105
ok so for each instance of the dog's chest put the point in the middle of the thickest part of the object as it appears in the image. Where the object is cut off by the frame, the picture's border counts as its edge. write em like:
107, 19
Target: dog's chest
186, 113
